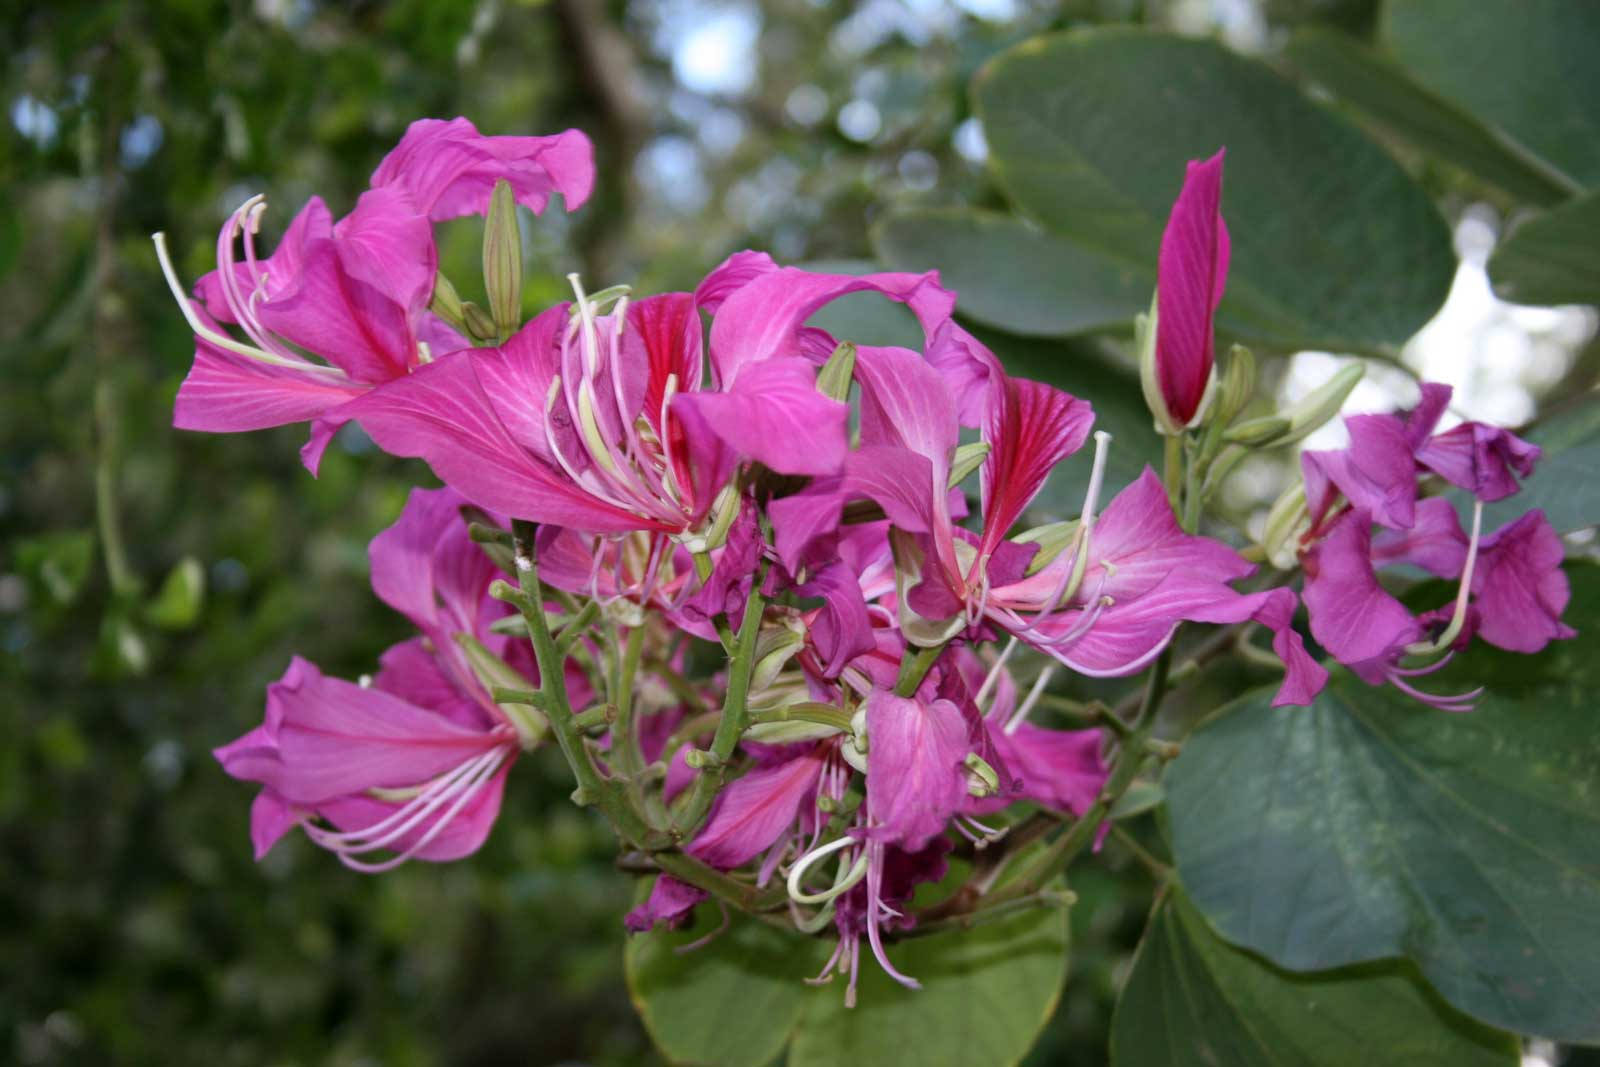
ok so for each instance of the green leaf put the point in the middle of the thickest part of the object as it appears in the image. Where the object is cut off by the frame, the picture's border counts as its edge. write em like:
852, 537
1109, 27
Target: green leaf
1015, 276
1192, 998
731, 1003
1526, 66
58, 562
1380, 90
1552, 258
986, 994
1370, 826
177, 603
1333, 245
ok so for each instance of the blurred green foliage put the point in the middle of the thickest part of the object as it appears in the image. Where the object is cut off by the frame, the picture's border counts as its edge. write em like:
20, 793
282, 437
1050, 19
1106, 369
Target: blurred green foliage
153, 582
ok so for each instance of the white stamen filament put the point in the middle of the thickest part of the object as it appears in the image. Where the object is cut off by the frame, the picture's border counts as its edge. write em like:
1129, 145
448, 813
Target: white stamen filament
220, 340
993, 676
1459, 617
1033, 698
460, 785
841, 884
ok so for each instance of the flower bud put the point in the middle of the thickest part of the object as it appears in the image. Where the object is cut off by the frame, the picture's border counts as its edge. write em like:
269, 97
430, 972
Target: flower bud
967, 459
834, 378
982, 780
446, 303
493, 672
1238, 384
1254, 433
480, 327
1286, 521
1323, 403
502, 260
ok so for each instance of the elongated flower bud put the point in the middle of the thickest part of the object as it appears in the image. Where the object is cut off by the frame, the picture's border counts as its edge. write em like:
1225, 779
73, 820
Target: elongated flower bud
502, 259
1192, 271
1323, 403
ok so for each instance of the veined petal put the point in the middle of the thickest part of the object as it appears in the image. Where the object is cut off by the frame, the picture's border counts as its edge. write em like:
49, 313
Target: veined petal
1377, 473
668, 328
225, 392
343, 318
1484, 460
915, 779
449, 169
754, 812
764, 318
440, 413
463, 835
1435, 542
1030, 428
1520, 588
335, 738
385, 243
516, 377
774, 415
840, 630
1351, 616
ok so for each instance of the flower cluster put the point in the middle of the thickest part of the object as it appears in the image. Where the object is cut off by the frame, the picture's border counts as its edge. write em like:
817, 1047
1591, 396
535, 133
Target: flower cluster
625, 489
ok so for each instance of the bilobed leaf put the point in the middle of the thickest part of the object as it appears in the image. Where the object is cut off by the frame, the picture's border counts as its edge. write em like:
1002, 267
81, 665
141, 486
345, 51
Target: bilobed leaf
1333, 245
731, 1003
1525, 66
1552, 258
1018, 277
1369, 826
986, 993
1194, 999
1381, 91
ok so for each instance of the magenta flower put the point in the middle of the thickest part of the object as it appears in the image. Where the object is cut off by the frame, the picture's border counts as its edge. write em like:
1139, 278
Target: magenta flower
414, 763
352, 294
1192, 271
1378, 471
1512, 593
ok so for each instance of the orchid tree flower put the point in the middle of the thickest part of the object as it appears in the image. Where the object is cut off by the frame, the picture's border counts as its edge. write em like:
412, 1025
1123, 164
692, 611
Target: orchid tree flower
413, 763
1105, 603
1511, 592
1176, 370
1378, 471
340, 308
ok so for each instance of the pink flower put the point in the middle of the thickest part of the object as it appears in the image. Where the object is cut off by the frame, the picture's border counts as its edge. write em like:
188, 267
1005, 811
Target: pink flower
353, 294
414, 763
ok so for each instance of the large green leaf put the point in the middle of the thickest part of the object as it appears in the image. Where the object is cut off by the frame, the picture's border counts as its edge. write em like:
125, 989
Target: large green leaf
1381, 91
1370, 826
1018, 277
741, 999
734, 1002
1194, 999
986, 993
1527, 66
1333, 245
1552, 258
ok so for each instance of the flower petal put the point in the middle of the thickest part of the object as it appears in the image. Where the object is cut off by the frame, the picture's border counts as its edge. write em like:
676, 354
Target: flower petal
450, 169
1192, 270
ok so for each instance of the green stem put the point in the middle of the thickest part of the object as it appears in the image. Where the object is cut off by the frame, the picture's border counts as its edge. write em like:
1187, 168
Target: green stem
914, 668
1060, 853
734, 713
592, 788
824, 714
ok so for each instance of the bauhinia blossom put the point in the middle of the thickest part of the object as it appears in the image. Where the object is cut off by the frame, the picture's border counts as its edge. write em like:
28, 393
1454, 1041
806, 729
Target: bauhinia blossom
340, 308
411, 765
